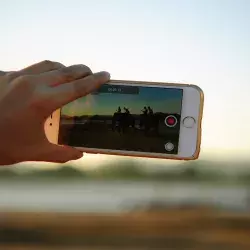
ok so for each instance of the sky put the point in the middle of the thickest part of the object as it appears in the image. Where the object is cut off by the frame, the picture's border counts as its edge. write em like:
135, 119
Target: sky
202, 42
159, 99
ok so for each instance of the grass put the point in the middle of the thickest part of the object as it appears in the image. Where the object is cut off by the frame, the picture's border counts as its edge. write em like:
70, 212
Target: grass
200, 228
195, 228
189, 172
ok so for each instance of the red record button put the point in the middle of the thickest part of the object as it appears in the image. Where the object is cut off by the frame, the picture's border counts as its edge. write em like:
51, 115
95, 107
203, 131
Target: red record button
170, 121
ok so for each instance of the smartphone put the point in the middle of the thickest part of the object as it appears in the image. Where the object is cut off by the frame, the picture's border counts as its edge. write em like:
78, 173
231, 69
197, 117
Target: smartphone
132, 118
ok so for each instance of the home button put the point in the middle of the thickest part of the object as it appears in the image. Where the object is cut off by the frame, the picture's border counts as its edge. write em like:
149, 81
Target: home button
189, 122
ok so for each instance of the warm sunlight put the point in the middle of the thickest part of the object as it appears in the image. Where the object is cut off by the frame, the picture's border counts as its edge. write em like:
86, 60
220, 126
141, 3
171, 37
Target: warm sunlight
110, 202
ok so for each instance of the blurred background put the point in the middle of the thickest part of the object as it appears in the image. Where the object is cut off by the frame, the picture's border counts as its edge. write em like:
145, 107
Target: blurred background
107, 202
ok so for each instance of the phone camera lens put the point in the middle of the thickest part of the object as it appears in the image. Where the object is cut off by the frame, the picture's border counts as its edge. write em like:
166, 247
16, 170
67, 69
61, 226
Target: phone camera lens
170, 121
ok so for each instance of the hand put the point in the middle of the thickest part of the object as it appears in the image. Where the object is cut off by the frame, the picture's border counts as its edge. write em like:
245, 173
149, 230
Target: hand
28, 97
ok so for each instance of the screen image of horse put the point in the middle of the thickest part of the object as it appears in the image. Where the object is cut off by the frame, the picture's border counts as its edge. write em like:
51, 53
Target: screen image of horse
146, 132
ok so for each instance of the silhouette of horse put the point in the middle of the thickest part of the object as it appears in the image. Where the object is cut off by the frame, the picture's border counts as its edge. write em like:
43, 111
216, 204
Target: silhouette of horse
122, 121
150, 122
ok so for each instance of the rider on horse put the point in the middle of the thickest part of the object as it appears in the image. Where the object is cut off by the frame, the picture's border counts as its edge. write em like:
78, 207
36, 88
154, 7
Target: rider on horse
119, 110
126, 110
145, 111
150, 110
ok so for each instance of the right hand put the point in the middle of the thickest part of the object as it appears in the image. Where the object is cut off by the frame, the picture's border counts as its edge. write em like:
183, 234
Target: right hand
28, 97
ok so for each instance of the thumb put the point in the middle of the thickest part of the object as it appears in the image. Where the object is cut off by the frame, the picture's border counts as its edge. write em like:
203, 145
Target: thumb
59, 154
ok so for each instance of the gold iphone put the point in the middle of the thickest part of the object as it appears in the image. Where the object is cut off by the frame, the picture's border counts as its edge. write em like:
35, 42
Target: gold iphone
132, 118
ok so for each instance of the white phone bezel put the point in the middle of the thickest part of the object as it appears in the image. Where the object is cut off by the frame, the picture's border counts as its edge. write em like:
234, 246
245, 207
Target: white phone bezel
188, 139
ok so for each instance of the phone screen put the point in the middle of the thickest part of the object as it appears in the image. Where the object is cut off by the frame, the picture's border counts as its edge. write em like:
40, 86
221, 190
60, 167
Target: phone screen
122, 117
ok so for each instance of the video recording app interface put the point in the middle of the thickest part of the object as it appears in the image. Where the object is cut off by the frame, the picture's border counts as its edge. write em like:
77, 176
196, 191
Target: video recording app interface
120, 117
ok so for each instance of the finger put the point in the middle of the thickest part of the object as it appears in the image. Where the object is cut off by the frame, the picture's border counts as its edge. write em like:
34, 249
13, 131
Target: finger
69, 92
41, 67
64, 75
59, 154
38, 68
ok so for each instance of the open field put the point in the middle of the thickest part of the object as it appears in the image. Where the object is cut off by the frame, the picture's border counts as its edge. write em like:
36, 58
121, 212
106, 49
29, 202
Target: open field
100, 135
122, 207
196, 228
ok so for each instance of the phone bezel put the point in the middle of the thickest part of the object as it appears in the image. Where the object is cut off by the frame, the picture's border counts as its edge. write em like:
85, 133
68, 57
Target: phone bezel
189, 138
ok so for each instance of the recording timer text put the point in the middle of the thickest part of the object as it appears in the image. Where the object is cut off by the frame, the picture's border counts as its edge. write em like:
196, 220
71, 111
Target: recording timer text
113, 89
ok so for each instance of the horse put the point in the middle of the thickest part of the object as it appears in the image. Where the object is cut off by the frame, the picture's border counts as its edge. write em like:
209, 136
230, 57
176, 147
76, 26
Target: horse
150, 122
122, 121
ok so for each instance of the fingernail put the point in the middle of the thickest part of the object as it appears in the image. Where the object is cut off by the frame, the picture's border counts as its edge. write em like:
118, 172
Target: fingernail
104, 74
